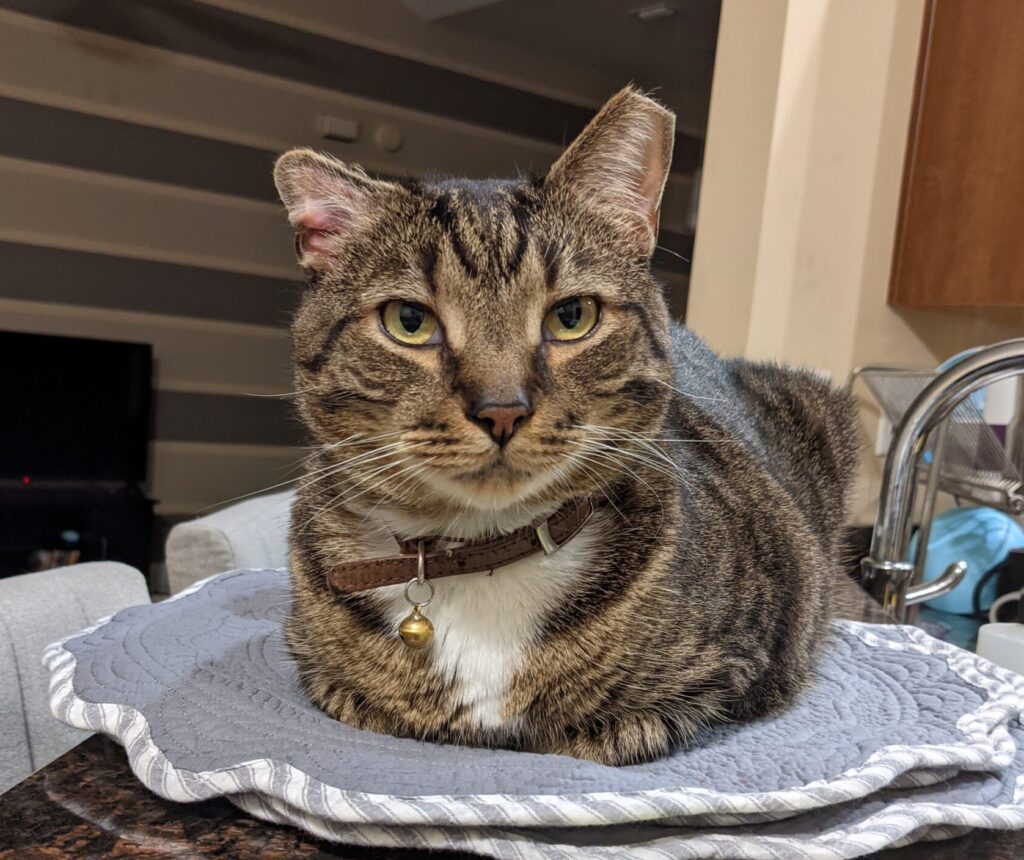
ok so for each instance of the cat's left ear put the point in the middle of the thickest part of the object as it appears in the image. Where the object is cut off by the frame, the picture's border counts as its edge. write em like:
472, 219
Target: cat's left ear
329, 203
619, 164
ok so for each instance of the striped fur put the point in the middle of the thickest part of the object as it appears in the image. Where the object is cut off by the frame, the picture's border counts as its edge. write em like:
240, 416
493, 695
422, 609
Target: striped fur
698, 594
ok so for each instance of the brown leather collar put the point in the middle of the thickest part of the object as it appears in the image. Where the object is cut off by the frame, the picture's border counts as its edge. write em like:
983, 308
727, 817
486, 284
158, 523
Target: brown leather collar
547, 535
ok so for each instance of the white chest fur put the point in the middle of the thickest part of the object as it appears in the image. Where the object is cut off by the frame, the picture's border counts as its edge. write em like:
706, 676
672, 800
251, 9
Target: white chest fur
485, 624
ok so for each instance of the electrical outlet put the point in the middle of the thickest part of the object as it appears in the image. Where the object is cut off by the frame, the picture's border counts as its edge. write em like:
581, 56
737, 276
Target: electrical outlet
338, 128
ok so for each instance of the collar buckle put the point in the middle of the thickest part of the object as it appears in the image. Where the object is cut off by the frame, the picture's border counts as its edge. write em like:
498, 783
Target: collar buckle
547, 543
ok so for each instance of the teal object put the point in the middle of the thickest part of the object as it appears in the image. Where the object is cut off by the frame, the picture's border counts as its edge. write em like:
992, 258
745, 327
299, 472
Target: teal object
982, 537
977, 398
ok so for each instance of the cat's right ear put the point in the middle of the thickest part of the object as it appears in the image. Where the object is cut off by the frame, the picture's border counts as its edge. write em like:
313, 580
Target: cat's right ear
329, 203
619, 165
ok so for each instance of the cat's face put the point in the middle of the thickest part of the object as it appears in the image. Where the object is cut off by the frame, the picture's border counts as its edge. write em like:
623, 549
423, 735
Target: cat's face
484, 344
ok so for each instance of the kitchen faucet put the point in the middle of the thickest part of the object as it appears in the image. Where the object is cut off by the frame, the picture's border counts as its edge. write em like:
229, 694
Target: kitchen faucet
886, 574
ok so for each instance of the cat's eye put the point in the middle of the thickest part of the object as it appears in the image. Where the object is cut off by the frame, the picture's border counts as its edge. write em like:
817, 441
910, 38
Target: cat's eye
410, 323
572, 319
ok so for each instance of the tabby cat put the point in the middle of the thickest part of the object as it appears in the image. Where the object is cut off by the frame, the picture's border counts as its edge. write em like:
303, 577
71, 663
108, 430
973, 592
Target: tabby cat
697, 591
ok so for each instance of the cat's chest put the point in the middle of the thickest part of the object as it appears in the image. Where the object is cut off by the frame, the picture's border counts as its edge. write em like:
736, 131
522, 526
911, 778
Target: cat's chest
485, 624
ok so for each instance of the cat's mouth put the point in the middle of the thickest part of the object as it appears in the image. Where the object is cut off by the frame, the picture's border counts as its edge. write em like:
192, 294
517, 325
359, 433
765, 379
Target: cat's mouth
498, 469
497, 485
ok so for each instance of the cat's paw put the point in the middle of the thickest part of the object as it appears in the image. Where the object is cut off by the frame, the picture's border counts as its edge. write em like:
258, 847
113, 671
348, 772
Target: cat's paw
628, 740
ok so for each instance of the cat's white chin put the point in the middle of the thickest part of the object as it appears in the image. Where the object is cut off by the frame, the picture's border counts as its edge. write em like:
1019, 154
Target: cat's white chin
491, 492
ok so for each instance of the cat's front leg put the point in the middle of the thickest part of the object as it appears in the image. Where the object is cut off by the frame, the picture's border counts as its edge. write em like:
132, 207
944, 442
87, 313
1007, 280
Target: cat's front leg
631, 739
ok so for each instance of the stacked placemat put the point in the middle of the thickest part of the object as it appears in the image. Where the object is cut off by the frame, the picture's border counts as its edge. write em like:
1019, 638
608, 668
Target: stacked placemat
902, 738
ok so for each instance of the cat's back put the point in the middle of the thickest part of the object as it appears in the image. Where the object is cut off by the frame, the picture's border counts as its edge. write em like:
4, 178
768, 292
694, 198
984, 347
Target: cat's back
793, 421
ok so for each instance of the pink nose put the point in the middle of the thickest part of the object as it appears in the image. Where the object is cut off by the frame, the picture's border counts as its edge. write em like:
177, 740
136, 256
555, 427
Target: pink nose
500, 420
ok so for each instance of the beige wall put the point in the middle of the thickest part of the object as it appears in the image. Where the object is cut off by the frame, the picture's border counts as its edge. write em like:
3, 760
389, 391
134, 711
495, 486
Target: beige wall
806, 138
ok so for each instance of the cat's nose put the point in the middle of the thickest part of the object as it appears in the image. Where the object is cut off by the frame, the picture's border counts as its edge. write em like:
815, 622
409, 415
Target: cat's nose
500, 420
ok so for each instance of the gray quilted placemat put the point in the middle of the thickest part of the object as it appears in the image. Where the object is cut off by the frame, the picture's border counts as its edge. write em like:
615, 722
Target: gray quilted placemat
205, 700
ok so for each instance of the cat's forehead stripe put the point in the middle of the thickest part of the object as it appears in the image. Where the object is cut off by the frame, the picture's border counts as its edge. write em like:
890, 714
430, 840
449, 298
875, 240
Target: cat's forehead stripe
428, 259
488, 224
521, 213
444, 212
552, 256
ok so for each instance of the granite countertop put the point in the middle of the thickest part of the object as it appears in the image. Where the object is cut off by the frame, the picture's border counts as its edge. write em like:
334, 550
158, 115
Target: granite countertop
88, 804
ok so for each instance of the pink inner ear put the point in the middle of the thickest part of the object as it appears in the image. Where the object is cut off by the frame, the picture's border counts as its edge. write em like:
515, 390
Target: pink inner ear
318, 226
651, 182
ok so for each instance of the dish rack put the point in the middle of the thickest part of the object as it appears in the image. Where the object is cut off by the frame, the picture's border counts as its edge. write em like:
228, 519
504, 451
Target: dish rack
963, 456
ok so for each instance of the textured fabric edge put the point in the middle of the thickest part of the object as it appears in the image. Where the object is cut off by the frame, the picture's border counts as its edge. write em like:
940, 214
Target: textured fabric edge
901, 823
987, 746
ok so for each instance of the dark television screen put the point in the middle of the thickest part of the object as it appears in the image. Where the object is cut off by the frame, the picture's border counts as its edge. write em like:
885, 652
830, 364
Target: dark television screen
73, 408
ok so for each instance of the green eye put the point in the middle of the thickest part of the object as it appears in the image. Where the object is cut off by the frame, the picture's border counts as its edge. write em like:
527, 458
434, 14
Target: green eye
410, 324
571, 320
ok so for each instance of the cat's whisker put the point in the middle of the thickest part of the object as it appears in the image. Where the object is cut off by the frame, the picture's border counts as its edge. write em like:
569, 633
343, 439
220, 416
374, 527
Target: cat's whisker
628, 435
620, 453
609, 459
393, 496
642, 442
689, 395
673, 253
355, 439
625, 467
658, 462
360, 477
645, 443
342, 498
379, 453
346, 500
281, 395
398, 492
351, 439
595, 475
361, 461
317, 451
331, 469
260, 491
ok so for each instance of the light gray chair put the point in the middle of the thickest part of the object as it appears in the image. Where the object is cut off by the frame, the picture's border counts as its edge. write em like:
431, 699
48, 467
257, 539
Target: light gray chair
35, 610
250, 534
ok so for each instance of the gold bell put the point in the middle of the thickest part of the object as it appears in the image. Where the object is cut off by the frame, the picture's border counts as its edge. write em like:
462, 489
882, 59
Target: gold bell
416, 630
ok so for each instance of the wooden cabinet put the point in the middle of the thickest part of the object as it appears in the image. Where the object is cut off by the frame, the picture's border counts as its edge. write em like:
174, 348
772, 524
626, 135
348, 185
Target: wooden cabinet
960, 239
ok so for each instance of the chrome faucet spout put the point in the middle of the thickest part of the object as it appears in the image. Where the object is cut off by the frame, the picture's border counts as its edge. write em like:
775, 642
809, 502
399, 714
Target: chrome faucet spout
951, 577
